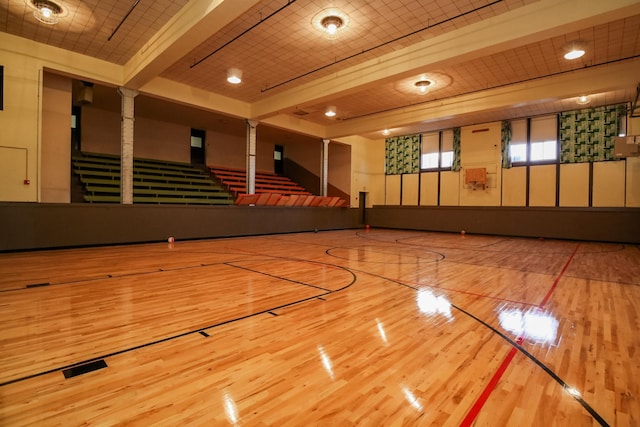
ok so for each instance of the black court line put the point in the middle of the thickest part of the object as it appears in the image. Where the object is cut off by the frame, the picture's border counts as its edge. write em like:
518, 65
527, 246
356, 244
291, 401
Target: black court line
184, 334
84, 368
111, 276
618, 246
426, 260
37, 285
518, 347
272, 313
277, 277
204, 334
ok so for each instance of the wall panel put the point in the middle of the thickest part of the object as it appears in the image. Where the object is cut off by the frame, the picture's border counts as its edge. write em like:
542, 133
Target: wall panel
514, 186
450, 188
633, 182
608, 184
429, 189
410, 189
392, 189
542, 185
574, 184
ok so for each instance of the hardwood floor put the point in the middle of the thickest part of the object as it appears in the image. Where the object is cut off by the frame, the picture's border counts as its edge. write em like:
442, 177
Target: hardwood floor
385, 327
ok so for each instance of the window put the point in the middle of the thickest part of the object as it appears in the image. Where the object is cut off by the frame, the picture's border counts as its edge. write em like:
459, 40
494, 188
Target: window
447, 149
518, 145
543, 145
544, 138
437, 154
430, 156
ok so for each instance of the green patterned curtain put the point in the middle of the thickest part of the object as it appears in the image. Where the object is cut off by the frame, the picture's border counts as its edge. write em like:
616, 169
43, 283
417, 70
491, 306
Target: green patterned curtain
506, 142
587, 135
455, 166
402, 154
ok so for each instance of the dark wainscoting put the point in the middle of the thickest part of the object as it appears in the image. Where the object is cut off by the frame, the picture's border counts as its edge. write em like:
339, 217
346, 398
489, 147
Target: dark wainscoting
38, 226
595, 224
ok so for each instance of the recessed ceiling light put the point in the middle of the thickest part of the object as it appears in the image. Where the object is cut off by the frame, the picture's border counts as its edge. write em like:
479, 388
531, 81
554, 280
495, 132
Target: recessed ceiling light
583, 100
574, 49
386, 132
331, 111
234, 76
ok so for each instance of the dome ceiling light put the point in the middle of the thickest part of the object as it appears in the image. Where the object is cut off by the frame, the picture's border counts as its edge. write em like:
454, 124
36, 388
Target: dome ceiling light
331, 24
422, 85
47, 11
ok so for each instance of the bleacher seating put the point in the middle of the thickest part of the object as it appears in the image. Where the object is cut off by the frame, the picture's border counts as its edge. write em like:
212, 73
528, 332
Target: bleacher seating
274, 199
154, 181
236, 182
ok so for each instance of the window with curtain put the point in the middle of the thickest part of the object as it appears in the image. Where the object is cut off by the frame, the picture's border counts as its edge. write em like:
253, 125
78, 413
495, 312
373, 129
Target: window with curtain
402, 154
437, 150
518, 145
587, 135
544, 139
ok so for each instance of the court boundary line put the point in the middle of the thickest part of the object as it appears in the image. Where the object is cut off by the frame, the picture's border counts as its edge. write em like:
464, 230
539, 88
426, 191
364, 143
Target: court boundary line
195, 331
515, 348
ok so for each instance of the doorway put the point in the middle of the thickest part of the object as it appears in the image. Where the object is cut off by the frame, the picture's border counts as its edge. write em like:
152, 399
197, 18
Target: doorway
197, 146
278, 159
362, 198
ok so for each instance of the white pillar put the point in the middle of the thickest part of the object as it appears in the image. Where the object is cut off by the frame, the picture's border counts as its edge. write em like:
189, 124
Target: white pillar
126, 145
251, 156
324, 171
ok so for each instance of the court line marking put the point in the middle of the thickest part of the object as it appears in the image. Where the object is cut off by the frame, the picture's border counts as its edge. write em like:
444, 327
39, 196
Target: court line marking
196, 331
516, 345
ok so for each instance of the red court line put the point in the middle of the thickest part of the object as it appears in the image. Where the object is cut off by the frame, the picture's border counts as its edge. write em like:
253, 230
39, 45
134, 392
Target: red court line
555, 283
484, 396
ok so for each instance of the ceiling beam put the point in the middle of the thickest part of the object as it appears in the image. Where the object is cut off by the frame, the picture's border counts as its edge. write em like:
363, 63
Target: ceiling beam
535, 22
592, 81
197, 21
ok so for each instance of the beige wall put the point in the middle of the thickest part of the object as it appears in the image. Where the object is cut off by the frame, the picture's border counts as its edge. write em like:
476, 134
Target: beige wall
450, 183
224, 149
307, 155
20, 125
574, 185
633, 182
392, 189
410, 189
367, 170
480, 148
514, 186
339, 174
542, 186
429, 189
56, 139
153, 139
608, 184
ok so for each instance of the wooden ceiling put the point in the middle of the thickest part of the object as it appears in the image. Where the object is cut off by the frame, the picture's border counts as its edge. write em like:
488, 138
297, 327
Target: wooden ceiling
486, 60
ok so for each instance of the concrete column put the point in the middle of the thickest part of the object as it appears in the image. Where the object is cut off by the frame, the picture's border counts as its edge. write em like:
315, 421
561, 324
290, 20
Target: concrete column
126, 145
324, 170
251, 156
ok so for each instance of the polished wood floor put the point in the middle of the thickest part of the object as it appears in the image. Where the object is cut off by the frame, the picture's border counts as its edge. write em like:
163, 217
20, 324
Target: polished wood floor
342, 328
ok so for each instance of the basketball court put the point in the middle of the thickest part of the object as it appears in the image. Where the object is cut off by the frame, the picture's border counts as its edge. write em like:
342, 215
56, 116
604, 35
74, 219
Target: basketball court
352, 327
